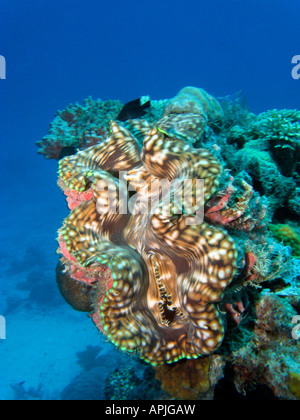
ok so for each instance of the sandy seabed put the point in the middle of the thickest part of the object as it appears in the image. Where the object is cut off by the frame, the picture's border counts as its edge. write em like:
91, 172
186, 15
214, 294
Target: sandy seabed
40, 351
43, 334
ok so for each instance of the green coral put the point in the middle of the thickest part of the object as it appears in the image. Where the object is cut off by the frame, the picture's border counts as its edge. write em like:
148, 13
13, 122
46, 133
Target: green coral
294, 384
267, 147
288, 236
281, 129
275, 131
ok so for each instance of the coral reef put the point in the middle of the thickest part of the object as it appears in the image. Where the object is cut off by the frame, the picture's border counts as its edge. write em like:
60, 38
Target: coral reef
237, 208
80, 126
281, 131
195, 101
288, 236
188, 113
267, 147
216, 296
259, 360
274, 261
133, 383
197, 378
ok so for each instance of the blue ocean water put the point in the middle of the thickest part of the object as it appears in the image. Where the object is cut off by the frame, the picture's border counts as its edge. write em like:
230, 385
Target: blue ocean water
61, 52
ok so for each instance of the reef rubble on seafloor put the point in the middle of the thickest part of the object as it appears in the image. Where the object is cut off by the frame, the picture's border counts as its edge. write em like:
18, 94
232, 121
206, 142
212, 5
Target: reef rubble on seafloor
203, 305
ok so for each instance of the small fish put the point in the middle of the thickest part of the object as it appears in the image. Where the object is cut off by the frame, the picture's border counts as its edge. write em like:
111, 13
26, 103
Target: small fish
133, 109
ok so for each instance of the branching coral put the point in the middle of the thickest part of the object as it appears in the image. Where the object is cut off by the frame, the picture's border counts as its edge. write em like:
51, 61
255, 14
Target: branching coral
267, 146
281, 129
274, 130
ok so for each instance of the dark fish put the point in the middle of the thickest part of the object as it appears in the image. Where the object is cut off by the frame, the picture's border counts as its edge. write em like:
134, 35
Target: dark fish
133, 109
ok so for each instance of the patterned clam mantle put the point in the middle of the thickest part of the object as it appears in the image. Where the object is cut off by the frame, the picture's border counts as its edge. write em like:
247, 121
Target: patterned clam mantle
167, 274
